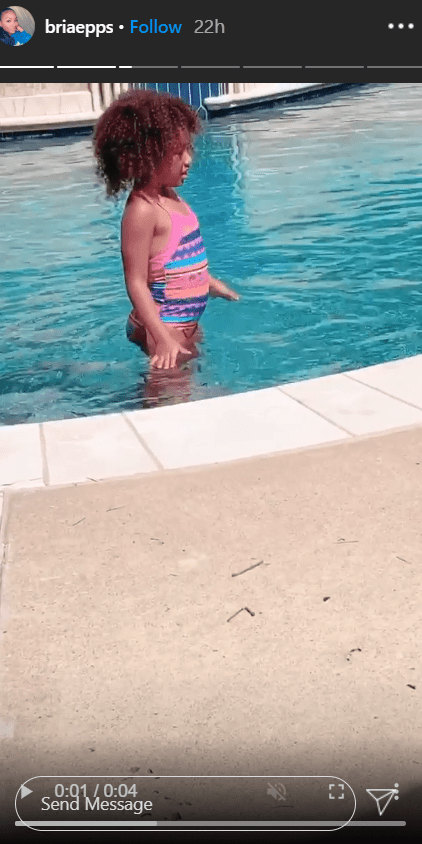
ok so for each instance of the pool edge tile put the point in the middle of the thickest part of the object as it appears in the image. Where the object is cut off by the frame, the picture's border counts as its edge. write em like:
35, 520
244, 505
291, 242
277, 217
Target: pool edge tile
94, 448
401, 383
334, 397
235, 427
20, 455
152, 462
142, 442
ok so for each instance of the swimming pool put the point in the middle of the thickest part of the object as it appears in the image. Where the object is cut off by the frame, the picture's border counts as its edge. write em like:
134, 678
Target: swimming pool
312, 211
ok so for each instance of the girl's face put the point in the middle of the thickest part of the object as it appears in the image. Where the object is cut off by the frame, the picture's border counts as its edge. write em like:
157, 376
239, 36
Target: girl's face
9, 22
174, 167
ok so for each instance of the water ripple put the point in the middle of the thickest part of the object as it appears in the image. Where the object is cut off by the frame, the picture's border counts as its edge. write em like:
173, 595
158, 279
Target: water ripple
311, 210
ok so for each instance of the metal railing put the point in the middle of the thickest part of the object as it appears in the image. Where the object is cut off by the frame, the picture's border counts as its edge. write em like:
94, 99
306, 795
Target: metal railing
193, 92
104, 93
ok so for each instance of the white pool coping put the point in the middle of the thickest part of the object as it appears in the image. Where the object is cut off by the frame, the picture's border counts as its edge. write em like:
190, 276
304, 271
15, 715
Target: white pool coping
261, 93
305, 414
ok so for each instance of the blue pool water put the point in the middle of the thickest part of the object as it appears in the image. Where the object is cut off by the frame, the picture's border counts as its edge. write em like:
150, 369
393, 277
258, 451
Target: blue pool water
312, 211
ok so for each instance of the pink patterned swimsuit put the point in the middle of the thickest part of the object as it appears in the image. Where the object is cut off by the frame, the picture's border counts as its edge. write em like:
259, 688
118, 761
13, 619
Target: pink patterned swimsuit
177, 277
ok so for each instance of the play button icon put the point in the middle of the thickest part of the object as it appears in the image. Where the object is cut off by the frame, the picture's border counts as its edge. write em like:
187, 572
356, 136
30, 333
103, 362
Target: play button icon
25, 791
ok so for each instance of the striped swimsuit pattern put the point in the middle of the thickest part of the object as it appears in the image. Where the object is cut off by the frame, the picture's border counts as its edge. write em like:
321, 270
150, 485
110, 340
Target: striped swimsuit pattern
178, 276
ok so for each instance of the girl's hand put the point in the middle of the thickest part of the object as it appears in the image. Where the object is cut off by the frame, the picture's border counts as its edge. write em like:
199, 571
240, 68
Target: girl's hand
19, 28
166, 352
219, 289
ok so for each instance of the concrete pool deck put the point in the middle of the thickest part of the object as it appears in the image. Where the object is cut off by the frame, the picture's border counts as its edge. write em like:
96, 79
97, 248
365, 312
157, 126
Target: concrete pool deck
126, 645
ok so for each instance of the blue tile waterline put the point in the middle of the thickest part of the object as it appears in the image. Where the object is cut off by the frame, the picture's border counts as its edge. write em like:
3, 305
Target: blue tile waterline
311, 211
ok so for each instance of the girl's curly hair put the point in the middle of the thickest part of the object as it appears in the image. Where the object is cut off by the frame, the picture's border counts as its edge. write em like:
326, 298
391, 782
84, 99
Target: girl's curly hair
135, 134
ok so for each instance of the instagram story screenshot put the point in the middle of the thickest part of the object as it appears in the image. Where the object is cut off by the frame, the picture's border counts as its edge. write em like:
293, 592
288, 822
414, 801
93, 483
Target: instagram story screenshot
210, 422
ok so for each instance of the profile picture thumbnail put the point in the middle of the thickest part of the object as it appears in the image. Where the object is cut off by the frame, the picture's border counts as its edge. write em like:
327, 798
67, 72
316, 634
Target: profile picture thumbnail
17, 26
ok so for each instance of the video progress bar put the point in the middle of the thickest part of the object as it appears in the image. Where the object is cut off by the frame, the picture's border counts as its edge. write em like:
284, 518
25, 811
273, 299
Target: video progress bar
285, 824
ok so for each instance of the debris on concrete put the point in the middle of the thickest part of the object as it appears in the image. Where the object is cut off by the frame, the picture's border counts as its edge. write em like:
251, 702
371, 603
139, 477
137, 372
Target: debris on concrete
248, 569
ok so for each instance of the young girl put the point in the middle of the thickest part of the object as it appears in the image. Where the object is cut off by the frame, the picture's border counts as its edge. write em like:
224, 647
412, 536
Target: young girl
143, 140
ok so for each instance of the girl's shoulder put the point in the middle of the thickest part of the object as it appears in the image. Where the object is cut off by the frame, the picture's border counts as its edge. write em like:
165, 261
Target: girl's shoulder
140, 206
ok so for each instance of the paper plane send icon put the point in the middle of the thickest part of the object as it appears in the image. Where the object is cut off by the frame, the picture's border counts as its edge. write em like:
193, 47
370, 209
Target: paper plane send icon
382, 797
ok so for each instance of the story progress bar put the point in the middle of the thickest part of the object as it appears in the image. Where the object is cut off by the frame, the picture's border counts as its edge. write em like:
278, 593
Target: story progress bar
208, 67
286, 824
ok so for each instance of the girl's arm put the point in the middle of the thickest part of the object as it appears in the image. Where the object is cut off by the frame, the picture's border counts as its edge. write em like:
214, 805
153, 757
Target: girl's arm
137, 234
218, 288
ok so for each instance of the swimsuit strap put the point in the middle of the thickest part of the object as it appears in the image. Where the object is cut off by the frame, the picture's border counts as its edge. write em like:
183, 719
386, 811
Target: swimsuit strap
174, 211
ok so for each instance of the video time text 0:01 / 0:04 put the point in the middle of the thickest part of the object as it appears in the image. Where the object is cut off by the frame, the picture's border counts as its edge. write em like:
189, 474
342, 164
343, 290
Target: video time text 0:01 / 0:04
74, 791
